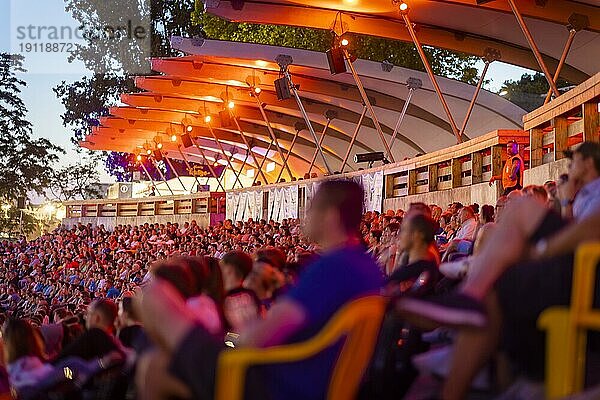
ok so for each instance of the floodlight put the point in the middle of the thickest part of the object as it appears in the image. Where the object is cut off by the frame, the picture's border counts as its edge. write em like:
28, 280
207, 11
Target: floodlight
369, 157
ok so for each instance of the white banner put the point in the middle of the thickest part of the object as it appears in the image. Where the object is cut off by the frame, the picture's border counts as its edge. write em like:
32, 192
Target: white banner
372, 184
283, 203
243, 205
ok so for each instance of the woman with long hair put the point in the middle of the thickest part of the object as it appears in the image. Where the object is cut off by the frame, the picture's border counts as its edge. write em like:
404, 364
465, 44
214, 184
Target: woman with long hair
24, 354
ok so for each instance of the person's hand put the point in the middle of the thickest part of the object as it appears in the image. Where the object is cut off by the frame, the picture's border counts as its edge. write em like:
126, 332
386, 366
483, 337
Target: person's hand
567, 189
492, 180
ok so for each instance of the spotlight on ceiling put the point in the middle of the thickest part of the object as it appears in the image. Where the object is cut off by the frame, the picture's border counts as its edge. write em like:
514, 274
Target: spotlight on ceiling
207, 119
282, 88
344, 42
257, 90
149, 151
139, 157
159, 146
187, 124
231, 105
173, 138
403, 6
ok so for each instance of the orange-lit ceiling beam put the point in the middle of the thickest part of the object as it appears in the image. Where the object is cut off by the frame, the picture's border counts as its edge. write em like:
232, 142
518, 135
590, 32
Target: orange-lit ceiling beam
128, 139
311, 87
230, 134
189, 106
387, 26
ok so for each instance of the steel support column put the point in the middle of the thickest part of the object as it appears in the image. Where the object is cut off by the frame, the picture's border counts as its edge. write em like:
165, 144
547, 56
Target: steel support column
244, 162
150, 177
162, 176
354, 135
401, 117
189, 167
412, 84
175, 171
272, 133
487, 62
368, 105
210, 167
220, 146
289, 152
321, 140
417, 43
284, 62
561, 62
241, 132
534, 48
262, 164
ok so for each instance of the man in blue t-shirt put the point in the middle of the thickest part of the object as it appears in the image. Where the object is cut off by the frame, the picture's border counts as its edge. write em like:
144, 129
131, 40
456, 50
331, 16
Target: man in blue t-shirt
343, 273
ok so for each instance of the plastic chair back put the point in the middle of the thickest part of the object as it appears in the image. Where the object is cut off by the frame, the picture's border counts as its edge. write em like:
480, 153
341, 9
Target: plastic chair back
358, 321
567, 327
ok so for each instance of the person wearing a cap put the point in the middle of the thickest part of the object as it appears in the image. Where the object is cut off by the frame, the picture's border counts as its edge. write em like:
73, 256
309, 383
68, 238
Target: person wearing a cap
512, 172
579, 193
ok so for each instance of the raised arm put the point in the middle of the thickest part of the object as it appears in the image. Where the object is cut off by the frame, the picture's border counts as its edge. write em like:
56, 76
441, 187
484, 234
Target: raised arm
567, 240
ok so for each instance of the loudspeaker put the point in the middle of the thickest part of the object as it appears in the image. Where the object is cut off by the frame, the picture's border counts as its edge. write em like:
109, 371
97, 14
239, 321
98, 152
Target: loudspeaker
282, 88
335, 59
21, 203
225, 118
186, 139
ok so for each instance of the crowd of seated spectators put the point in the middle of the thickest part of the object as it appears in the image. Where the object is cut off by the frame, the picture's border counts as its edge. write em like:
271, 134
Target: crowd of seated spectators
144, 311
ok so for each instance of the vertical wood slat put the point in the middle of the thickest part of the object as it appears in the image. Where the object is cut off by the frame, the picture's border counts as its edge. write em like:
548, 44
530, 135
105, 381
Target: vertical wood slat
456, 172
412, 181
497, 167
591, 121
536, 136
433, 177
389, 186
476, 168
561, 137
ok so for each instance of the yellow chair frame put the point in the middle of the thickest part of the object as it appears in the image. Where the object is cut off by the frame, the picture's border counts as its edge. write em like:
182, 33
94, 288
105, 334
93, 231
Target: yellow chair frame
358, 321
566, 327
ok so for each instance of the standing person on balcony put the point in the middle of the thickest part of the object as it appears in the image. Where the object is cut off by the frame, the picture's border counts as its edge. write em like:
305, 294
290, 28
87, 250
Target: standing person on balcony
512, 172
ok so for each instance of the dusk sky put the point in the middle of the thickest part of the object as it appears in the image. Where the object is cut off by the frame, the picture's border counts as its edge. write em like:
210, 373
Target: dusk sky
46, 70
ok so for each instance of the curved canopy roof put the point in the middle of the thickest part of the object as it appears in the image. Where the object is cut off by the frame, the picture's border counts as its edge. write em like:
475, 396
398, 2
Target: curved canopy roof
213, 73
460, 25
